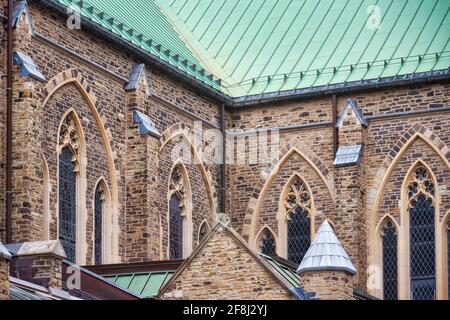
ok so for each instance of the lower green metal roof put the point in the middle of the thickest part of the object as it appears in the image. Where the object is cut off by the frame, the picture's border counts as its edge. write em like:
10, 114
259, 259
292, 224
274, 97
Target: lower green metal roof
284, 271
145, 284
266, 46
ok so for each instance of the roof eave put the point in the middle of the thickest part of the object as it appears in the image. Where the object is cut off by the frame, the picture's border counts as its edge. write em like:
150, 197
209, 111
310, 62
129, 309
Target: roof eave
351, 87
258, 99
142, 54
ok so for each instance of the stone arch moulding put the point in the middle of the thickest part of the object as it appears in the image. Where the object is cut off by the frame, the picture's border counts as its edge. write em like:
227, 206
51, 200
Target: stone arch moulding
181, 129
295, 146
74, 77
415, 132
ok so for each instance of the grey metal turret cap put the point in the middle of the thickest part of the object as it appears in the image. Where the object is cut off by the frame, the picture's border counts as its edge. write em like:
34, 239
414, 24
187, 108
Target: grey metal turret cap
326, 253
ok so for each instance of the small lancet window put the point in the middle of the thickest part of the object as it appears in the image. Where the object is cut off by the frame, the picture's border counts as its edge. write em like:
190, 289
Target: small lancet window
390, 274
267, 243
99, 202
204, 229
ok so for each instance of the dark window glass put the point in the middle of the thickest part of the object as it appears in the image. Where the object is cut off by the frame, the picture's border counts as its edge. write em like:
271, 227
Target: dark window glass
204, 229
267, 245
176, 228
390, 284
98, 230
299, 238
67, 203
422, 246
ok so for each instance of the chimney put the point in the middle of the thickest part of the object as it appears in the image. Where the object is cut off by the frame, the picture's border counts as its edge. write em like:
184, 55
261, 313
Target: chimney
38, 262
326, 268
5, 257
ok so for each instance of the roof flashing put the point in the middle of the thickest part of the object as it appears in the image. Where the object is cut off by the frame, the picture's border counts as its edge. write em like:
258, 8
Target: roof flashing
146, 125
348, 156
356, 111
28, 67
137, 75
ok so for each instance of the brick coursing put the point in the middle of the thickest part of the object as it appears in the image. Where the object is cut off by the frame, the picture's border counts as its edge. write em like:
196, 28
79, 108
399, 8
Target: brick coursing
141, 164
328, 285
4, 279
224, 270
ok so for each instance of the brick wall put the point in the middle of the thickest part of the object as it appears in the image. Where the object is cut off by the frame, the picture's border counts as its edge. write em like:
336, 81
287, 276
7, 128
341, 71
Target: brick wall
224, 270
329, 285
4, 278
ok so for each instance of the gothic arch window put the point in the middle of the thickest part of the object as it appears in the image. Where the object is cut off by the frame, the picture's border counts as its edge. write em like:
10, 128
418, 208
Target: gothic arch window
297, 203
422, 234
180, 222
266, 242
67, 202
203, 231
68, 186
390, 259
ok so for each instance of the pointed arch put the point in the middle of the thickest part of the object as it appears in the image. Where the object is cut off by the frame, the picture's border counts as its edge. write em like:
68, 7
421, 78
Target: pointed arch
74, 77
71, 195
419, 218
375, 192
383, 250
101, 208
46, 188
263, 240
203, 230
271, 172
181, 129
179, 215
296, 201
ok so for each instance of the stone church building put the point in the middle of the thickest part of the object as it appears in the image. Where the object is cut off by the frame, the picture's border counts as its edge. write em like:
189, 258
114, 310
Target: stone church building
230, 149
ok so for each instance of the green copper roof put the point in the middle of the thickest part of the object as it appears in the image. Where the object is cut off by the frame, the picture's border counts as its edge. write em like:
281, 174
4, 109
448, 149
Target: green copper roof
265, 46
284, 271
145, 284
145, 26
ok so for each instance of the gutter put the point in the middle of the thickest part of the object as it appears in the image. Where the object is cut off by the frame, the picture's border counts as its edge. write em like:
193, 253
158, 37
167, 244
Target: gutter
9, 105
351, 87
